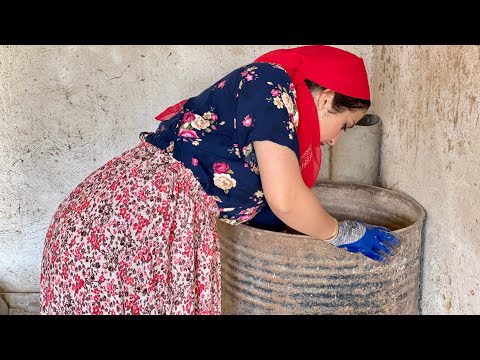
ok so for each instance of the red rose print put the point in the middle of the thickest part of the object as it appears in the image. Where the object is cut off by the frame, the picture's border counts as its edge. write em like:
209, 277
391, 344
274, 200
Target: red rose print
188, 117
220, 168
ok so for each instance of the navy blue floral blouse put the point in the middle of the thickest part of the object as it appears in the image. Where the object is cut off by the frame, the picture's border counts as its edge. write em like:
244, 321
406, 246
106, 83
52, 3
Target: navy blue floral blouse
213, 134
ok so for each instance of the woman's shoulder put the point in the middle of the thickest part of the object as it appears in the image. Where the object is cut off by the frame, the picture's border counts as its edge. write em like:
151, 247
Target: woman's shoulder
256, 70
263, 68
252, 76
260, 74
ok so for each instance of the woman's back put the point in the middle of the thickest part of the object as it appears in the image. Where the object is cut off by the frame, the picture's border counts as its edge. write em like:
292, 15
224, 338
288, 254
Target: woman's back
214, 132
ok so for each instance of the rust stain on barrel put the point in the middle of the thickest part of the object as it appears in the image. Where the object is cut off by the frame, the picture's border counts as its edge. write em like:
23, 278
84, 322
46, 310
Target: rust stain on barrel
266, 272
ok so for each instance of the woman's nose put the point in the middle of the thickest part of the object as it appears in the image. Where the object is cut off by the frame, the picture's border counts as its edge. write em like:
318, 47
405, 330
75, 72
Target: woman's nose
332, 141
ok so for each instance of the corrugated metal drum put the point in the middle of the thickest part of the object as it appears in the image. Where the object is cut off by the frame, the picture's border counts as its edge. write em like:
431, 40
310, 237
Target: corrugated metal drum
266, 272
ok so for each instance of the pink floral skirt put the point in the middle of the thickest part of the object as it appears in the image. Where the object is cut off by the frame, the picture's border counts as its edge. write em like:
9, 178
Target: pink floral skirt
137, 236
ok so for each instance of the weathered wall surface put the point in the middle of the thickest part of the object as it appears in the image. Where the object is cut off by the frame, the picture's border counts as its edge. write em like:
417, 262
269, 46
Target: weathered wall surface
428, 98
66, 110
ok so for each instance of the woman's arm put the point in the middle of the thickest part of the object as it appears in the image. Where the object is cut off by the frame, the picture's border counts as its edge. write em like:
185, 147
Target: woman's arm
286, 193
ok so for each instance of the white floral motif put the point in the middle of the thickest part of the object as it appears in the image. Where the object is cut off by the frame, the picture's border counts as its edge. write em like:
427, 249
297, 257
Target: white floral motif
278, 102
224, 182
170, 147
295, 119
259, 194
207, 115
288, 102
200, 123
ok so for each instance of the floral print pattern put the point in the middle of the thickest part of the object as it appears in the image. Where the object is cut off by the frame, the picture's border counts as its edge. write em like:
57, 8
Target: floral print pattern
213, 135
249, 74
250, 158
194, 124
222, 178
281, 98
138, 236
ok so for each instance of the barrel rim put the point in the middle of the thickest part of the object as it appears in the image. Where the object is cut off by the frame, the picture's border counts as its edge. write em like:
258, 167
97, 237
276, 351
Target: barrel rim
414, 203
370, 120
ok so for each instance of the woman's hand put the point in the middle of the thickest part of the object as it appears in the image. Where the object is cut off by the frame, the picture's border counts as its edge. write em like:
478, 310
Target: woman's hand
372, 241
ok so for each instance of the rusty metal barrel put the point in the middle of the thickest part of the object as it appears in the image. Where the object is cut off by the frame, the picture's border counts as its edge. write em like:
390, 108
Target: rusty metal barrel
265, 272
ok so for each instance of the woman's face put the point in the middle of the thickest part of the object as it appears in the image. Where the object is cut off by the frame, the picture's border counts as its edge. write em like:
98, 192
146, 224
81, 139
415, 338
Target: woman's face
332, 126
332, 123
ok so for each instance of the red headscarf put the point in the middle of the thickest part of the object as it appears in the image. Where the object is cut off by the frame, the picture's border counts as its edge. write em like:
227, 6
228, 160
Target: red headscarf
332, 68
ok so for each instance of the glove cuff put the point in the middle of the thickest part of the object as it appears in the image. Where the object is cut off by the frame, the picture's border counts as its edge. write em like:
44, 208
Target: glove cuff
348, 232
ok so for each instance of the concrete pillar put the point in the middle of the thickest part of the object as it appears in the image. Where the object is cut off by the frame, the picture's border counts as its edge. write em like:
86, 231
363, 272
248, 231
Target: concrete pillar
356, 155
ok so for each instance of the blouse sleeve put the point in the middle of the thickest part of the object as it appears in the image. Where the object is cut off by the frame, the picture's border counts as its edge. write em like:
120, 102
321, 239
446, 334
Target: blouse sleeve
267, 220
266, 108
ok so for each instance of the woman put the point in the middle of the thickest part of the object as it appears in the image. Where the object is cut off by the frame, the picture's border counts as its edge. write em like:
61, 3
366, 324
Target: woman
138, 236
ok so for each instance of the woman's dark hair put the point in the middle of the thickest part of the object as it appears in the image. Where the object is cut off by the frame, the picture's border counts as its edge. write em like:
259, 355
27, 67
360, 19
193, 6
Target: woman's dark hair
341, 102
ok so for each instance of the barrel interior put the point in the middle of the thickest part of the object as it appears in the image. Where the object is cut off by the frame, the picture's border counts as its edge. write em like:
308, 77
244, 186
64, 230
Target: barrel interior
369, 204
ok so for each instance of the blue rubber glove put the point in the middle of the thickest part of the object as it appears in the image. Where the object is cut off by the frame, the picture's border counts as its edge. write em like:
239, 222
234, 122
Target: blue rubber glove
372, 241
